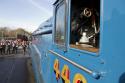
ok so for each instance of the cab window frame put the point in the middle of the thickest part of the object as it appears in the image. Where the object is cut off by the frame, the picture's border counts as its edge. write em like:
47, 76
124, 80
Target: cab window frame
57, 6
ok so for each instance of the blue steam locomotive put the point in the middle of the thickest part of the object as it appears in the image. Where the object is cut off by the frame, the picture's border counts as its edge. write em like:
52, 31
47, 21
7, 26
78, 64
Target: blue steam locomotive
82, 43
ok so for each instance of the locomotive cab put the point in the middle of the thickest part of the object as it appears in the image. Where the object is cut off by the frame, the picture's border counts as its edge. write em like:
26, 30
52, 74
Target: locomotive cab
76, 29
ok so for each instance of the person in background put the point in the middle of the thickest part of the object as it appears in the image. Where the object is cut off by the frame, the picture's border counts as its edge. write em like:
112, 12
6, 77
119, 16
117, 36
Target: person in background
16, 46
0, 47
13, 47
8, 47
3, 47
24, 47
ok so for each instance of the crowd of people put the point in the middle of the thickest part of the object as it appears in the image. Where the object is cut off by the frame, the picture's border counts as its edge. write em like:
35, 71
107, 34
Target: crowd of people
8, 47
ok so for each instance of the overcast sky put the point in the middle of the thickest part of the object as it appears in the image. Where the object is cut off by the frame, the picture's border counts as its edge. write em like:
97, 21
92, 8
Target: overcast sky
27, 14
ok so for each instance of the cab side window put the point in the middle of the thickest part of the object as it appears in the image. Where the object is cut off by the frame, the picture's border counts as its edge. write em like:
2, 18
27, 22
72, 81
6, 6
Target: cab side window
85, 25
60, 24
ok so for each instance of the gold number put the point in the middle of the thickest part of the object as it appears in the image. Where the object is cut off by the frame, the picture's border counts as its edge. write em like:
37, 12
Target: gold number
56, 69
78, 78
65, 74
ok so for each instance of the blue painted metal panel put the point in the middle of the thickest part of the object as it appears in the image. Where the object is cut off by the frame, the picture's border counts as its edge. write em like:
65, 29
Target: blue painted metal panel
109, 63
